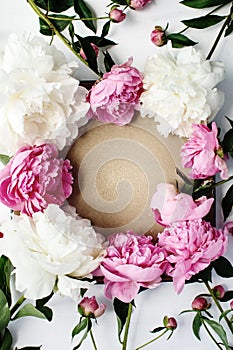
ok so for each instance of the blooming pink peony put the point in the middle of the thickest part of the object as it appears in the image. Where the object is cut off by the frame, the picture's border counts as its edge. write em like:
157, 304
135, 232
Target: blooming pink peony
89, 307
116, 96
34, 178
138, 4
169, 206
191, 246
131, 261
201, 153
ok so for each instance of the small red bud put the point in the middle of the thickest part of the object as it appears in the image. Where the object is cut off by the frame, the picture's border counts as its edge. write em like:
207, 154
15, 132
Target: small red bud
231, 304
116, 15
200, 304
219, 291
158, 36
170, 323
89, 307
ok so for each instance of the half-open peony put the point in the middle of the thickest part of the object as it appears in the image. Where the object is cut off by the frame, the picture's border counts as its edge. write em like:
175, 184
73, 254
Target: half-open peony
40, 100
191, 246
138, 4
116, 96
34, 178
52, 250
131, 262
169, 206
180, 90
201, 153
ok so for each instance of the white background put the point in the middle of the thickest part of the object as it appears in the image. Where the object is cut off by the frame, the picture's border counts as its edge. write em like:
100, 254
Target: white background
133, 36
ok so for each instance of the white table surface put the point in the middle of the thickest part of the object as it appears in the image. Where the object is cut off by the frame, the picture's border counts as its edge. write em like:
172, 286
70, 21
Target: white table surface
133, 36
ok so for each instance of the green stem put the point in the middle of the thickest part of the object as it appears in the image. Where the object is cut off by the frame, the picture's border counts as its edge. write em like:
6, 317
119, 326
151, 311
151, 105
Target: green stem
225, 24
18, 303
76, 18
214, 185
228, 322
93, 340
65, 41
151, 341
124, 344
211, 335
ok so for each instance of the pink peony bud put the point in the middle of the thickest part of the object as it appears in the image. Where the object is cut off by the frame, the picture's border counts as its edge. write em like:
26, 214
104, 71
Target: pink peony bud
200, 304
1, 235
138, 4
170, 323
89, 307
231, 304
219, 291
82, 54
116, 15
158, 36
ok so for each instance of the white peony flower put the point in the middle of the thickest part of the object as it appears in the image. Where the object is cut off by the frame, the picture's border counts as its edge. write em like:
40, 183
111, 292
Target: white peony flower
39, 100
51, 251
180, 90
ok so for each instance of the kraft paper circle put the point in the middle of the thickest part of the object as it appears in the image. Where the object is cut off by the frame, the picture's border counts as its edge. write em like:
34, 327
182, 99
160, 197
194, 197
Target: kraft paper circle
116, 170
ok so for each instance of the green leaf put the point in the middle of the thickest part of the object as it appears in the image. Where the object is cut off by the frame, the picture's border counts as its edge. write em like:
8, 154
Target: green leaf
180, 40
100, 41
203, 22
223, 314
227, 202
223, 267
157, 329
229, 29
29, 310
80, 327
219, 330
59, 24
83, 10
227, 142
121, 310
54, 5
88, 327
5, 273
105, 29
40, 305
197, 323
230, 121
108, 61
4, 312
227, 296
200, 4
203, 276
89, 52
4, 159
6, 340
29, 348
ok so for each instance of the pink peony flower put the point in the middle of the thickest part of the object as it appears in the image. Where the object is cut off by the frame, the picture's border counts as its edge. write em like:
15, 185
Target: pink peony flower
158, 36
89, 307
138, 4
169, 206
83, 55
34, 178
131, 262
116, 15
203, 154
116, 96
191, 246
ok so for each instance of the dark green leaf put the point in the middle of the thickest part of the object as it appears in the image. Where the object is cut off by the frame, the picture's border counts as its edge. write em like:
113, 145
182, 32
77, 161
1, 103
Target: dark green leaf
180, 40
223, 267
108, 61
83, 10
157, 329
29, 310
203, 276
89, 52
227, 142
59, 24
121, 2
185, 311
6, 340
197, 322
223, 314
200, 4
29, 348
100, 41
83, 292
5, 273
105, 29
230, 121
227, 296
71, 32
80, 327
54, 5
219, 330
229, 29
4, 312
121, 310
40, 305
227, 202
88, 327
203, 22
4, 159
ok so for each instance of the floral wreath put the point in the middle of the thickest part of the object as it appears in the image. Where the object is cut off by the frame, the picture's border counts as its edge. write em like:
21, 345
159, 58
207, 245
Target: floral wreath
44, 243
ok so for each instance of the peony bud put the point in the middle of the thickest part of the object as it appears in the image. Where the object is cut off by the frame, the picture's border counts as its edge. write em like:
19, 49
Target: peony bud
200, 304
116, 15
89, 307
170, 323
82, 53
1, 235
138, 4
219, 291
158, 36
231, 304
